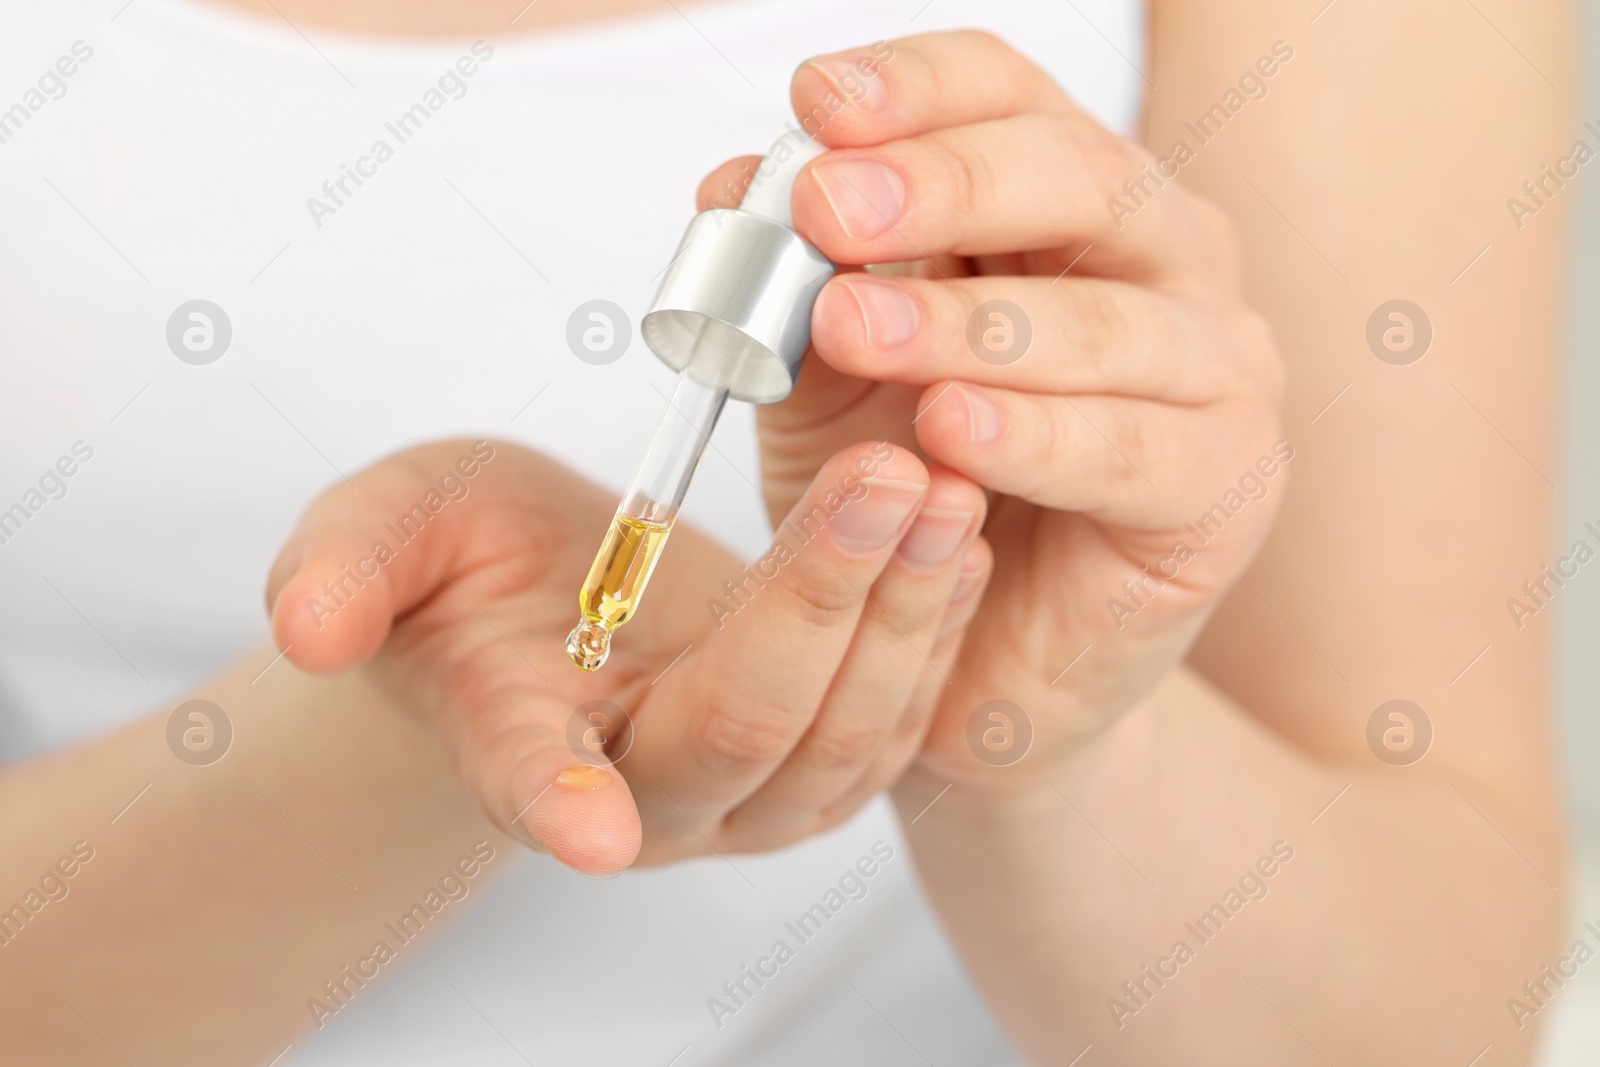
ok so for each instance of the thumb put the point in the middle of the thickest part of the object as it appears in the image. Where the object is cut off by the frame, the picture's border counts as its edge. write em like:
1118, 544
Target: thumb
365, 555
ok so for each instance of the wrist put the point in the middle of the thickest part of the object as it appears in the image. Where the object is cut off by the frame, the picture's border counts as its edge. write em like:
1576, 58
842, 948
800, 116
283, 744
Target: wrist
925, 798
1126, 749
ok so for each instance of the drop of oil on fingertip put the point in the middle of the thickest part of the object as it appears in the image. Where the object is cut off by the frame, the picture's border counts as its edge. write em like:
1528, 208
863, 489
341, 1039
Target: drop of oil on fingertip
583, 776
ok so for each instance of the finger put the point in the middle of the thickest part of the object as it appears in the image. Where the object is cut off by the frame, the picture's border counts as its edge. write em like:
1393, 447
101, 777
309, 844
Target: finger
785, 624
725, 186
880, 673
363, 556
509, 745
1124, 462
901, 88
906, 737
1081, 335
1032, 182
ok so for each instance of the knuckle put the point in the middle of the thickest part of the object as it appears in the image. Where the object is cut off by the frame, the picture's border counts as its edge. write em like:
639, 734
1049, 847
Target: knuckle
906, 609
822, 600
1128, 445
967, 177
497, 769
499, 734
1250, 366
1035, 458
842, 747
1051, 445
737, 732
1094, 151
906, 735
1102, 329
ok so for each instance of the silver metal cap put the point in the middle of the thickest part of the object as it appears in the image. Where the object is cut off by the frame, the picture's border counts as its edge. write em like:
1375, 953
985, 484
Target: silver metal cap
735, 305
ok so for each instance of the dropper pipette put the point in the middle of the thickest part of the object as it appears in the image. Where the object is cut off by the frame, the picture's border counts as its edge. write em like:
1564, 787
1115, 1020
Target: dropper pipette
733, 317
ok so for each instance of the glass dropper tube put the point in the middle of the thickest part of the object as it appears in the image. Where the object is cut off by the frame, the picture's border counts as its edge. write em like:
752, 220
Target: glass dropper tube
733, 315
621, 569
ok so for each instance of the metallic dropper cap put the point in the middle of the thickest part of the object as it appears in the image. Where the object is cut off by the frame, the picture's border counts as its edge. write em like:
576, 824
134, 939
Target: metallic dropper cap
735, 304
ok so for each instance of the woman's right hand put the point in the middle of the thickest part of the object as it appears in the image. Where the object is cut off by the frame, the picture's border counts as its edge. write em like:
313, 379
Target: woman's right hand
754, 724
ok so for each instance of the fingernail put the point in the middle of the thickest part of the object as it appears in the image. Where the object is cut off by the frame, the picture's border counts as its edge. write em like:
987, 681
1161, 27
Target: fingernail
866, 91
983, 416
966, 584
934, 537
890, 316
866, 197
866, 523
583, 776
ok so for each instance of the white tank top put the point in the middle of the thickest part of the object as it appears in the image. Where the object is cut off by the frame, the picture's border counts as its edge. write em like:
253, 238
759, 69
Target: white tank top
176, 152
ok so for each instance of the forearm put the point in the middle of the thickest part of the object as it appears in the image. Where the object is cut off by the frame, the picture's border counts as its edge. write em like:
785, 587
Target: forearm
1394, 934
220, 898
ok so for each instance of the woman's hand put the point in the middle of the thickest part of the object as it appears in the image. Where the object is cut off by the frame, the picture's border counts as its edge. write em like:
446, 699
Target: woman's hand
759, 715
1133, 439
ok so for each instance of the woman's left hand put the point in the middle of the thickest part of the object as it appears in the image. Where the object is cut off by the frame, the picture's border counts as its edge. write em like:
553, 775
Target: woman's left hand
1093, 364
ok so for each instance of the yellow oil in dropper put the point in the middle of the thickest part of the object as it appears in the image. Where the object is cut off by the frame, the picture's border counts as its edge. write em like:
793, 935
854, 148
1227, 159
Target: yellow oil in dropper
632, 546
616, 581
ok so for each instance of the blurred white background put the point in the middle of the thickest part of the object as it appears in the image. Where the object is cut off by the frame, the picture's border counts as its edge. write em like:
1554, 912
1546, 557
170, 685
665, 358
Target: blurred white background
1575, 1036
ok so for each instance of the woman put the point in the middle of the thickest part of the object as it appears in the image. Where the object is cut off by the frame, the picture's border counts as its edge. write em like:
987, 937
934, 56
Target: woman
1205, 836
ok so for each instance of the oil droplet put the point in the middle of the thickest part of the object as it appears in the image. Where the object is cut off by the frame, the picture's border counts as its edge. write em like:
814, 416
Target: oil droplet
583, 776
589, 644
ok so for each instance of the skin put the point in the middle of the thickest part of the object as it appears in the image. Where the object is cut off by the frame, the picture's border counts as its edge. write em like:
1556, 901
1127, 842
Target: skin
1187, 776
1173, 755
731, 748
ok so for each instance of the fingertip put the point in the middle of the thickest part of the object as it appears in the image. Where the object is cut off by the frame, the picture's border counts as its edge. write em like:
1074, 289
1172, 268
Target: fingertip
875, 459
952, 490
940, 415
956, 421
837, 97
584, 816
327, 618
837, 324
865, 325
725, 187
976, 566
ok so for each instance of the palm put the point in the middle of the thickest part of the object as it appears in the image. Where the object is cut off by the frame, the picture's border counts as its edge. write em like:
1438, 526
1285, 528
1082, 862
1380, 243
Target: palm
500, 614
483, 656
